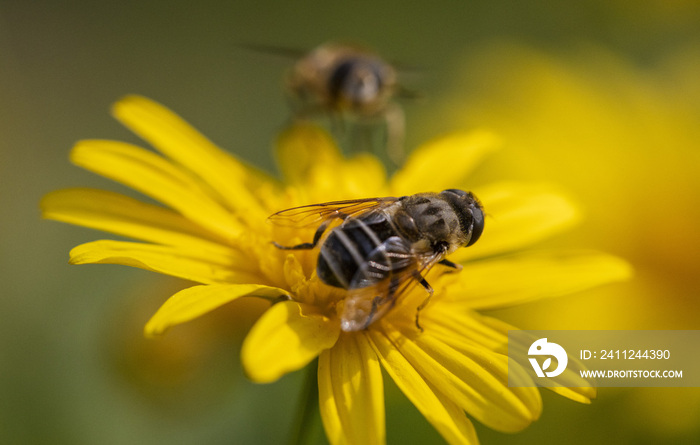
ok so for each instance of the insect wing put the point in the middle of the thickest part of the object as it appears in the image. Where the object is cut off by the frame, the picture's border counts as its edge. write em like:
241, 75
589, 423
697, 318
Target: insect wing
274, 50
376, 284
377, 287
315, 214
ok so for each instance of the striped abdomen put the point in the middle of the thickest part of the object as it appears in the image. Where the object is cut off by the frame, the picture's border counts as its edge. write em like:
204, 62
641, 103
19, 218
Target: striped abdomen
349, 246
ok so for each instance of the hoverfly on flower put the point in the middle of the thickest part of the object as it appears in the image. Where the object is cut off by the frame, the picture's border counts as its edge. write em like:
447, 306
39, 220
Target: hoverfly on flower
385, 245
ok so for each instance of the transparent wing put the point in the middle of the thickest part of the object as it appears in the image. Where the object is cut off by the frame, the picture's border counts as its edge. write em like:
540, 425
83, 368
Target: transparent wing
315, 214
274, 50
391, 271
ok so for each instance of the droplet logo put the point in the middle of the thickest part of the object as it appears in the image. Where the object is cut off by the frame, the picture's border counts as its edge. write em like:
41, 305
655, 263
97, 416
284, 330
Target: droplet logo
543, 347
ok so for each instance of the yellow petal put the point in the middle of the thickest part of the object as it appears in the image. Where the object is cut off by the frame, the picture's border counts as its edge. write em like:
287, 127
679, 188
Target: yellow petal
521, 278
196, 301
474, 378
518, 215
462, 331
311, 162
301, 148
440, 411
455, 326
230, 181
351, 392
116, 213
443, 163
570, 377
190, 264
445, 320
156, 177
286, 338
578, 394
363, 176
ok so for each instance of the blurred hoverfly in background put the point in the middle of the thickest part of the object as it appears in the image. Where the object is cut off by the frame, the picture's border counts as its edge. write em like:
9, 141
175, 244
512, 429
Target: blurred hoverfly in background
352, 85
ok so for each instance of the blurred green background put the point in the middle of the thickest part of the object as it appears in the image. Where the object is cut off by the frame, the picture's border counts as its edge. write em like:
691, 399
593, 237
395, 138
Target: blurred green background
602, 97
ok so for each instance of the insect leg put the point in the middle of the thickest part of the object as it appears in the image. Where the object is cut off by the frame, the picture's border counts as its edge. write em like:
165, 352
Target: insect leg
372, 311
337, 123
425, 302
378, 300
450, 264
360, 138
396, 129
306, 246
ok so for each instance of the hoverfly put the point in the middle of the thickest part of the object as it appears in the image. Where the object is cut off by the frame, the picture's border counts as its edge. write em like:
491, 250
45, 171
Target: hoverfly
377, 248
351, 84
351, 81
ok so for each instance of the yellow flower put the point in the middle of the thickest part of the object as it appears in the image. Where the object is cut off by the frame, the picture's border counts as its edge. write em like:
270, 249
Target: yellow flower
213, 231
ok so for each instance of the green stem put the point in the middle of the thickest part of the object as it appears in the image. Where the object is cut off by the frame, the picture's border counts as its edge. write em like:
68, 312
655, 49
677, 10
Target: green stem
307, 414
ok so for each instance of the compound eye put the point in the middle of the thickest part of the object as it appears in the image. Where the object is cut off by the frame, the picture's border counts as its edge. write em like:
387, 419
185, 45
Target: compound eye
477, 224
458, 192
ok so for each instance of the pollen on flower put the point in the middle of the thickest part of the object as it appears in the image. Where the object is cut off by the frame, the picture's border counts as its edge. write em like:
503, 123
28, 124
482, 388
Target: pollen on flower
307, 288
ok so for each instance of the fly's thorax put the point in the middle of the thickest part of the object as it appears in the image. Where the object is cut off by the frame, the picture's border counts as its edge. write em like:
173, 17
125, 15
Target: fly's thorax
428, 221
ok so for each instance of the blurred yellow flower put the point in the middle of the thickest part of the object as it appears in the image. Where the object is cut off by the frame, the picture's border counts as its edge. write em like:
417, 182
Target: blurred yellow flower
624, 137
213, 231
